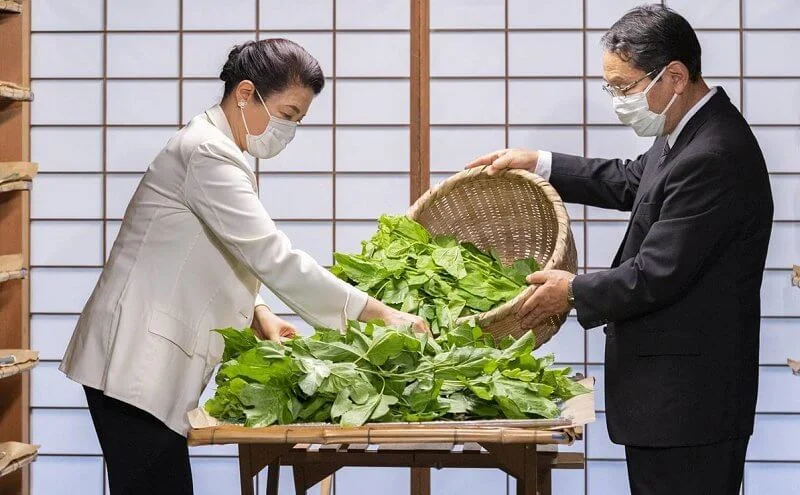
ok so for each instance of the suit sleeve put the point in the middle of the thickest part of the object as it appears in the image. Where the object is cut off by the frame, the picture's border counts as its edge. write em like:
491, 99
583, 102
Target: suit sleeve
597, 182
696, 217
221, 194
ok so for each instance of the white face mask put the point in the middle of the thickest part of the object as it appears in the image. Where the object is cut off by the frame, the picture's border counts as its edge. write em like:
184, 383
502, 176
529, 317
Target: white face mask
634, 111
273, 140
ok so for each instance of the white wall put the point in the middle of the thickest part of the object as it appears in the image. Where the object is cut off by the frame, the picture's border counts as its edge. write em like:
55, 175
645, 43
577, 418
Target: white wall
115, 78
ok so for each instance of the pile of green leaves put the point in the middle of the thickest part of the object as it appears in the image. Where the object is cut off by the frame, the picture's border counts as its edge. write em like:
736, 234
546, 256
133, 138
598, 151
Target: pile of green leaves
373, 372
434, 277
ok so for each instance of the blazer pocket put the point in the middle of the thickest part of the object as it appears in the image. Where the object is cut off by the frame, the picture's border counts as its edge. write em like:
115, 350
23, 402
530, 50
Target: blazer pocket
668, 344
174, 330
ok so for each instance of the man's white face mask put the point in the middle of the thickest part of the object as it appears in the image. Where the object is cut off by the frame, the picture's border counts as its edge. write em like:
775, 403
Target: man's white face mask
634, 111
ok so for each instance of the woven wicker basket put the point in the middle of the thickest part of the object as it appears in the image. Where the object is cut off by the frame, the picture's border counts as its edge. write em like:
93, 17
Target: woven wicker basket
516, 213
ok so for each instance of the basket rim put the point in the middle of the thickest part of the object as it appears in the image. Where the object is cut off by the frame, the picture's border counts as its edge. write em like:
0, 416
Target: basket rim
562, 218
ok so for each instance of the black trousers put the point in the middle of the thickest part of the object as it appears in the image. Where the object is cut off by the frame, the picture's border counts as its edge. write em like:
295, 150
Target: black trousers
714, 469
143, 456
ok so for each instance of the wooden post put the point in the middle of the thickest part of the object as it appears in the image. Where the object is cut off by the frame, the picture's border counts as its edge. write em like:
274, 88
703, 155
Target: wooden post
14, 236
419, 168
419, 171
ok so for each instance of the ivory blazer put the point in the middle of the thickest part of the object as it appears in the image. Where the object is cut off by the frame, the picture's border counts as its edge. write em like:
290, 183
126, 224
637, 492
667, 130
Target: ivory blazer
194, 247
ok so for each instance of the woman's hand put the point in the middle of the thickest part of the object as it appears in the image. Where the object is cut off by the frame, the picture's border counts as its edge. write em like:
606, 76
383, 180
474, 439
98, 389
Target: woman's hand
268, 326
376, 310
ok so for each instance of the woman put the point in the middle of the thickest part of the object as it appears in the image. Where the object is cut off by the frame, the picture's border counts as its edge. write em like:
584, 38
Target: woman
194, 247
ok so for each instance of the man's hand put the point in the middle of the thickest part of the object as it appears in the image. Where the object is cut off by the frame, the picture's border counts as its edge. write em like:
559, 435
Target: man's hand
549, 298
271, 327
508, 158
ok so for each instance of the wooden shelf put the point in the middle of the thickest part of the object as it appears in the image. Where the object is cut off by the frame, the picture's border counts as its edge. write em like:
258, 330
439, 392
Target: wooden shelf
12, 267
17, 176
22, 454
10, 7
11, 91
26, 361
17, 171
20, 185
16, 369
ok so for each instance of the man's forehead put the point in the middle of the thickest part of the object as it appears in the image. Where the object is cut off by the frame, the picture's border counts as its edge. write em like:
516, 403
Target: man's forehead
616, 70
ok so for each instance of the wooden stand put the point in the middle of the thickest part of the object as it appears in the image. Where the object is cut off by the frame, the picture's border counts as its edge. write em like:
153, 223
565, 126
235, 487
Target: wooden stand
14, 226
525, 449
531, 466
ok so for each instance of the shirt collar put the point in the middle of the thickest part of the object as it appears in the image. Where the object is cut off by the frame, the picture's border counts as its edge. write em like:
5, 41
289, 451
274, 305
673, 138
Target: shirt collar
673, 137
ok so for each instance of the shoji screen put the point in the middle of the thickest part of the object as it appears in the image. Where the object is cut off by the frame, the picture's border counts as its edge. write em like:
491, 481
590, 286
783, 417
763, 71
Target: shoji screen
115, 78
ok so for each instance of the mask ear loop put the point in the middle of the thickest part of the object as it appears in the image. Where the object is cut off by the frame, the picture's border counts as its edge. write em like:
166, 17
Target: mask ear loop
655, 80
264, 103
671, 101
241, 106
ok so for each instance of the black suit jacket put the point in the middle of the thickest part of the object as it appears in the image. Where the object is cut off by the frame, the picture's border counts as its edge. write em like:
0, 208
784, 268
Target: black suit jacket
682, 298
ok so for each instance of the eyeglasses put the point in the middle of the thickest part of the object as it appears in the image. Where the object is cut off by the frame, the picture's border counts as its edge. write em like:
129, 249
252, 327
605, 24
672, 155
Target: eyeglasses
620, 91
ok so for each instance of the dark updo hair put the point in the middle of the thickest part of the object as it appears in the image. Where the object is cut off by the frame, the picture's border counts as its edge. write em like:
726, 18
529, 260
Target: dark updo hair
271, 65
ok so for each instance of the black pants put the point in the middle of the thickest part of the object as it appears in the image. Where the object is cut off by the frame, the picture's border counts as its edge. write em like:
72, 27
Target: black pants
142, 454
714, 469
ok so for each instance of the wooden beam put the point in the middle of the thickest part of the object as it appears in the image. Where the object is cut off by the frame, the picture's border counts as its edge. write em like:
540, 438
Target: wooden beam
419, 176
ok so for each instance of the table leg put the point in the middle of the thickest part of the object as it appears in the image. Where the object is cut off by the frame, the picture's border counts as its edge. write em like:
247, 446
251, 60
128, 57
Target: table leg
245, 476
527, 485
420, 481
273, 474
545, 480
300, 480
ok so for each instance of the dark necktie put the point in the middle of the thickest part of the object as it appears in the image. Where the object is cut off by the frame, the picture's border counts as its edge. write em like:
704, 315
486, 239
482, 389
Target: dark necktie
664, 152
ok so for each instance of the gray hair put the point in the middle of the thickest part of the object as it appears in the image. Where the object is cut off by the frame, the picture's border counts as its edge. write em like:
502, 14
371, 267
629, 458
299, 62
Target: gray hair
652, 36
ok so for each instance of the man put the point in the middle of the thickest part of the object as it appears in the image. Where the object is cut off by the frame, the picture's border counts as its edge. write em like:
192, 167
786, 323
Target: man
681, 301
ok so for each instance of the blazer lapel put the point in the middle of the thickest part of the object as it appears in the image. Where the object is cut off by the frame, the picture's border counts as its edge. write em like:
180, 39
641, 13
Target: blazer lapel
652, 161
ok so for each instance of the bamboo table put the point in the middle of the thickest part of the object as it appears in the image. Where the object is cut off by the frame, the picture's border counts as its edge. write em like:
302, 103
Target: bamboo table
523, 449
